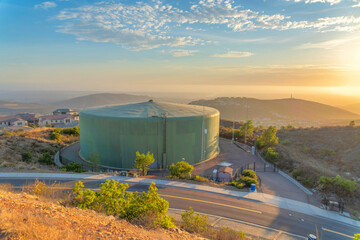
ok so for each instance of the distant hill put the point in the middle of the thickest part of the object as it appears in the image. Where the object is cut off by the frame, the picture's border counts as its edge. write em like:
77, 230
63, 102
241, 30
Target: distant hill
283, 110
355, 108
10, 108
100, 99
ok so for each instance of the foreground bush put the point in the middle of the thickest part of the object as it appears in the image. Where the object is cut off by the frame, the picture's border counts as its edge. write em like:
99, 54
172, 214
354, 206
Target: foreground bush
229, 234
194, 222
181, 169
114, 200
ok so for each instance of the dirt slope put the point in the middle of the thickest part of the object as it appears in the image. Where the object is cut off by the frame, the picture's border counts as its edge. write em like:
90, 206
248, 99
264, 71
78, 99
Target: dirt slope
24, 216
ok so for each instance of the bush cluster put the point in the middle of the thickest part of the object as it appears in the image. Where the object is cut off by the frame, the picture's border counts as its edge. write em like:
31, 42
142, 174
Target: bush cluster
73, 167
75, 131
26, 157
199, 178
338, 185
247, 178
194, 222
113, 199
56, 134
181, 169
46, 158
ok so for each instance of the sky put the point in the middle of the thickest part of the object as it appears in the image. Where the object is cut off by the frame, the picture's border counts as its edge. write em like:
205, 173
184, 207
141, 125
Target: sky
221, 47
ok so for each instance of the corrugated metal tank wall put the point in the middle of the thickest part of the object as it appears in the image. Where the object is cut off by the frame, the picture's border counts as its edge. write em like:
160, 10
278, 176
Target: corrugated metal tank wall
116, 140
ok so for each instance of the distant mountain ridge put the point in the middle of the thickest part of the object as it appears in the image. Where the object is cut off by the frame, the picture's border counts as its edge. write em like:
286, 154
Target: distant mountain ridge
277, 109
100, 99
355, 108
10, 108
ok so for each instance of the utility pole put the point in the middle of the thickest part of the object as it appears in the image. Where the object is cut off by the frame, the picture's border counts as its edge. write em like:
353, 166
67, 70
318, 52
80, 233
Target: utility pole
247, 110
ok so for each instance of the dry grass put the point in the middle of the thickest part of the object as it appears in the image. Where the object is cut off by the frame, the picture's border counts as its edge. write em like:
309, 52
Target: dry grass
330, 150
24, 216
310, 153
35, 141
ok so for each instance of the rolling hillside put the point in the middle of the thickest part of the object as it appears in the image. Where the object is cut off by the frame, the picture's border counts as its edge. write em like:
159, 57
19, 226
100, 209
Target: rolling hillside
101, 99
279, 110
355, 108
11, 108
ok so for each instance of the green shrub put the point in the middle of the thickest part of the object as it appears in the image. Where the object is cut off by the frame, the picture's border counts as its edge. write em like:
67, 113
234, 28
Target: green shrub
55, 136
181, 169
26, 157
199, 178
46, 158
75, 131
194, 222
239, 185
73, 167
248, 180
114, 200
249, 173
7, 134
338, 185
271, 155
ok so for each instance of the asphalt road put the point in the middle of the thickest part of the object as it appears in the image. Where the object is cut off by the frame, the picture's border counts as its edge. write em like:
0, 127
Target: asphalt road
239, 209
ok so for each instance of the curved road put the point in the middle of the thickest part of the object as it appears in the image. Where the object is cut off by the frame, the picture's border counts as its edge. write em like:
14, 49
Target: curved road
247, 212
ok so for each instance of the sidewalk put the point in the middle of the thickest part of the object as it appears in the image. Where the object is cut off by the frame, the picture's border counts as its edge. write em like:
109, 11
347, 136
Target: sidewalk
280, 202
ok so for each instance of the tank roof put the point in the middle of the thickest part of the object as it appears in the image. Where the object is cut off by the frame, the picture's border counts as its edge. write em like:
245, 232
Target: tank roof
151, 109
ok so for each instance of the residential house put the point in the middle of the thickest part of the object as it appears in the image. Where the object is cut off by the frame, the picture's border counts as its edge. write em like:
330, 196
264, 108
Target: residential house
67, 111
12, 121
56, 120
31, 118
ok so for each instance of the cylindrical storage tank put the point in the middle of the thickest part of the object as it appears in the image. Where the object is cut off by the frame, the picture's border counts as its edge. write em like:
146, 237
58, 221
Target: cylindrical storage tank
172, 132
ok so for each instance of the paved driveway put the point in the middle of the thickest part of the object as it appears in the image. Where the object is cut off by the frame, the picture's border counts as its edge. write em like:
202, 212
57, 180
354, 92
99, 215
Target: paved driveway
271, 182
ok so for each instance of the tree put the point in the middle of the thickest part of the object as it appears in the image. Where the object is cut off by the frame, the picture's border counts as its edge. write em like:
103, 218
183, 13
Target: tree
245, 130
142, 162
268, 138
352, 123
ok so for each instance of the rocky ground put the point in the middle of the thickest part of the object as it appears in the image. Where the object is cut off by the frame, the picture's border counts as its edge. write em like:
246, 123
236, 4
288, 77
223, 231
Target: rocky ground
24, 216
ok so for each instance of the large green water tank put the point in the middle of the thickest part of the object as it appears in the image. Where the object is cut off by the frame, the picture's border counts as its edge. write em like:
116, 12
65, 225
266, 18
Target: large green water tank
172, 132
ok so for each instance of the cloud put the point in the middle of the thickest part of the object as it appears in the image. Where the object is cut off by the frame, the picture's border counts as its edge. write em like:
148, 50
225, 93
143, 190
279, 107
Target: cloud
182, 52
46, 5
233, 54
328, 44
357, 3
141, 25
332, 2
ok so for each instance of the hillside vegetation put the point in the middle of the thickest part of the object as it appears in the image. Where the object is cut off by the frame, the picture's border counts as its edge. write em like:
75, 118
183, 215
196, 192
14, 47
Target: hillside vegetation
307, 154
25, 216
31, 149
